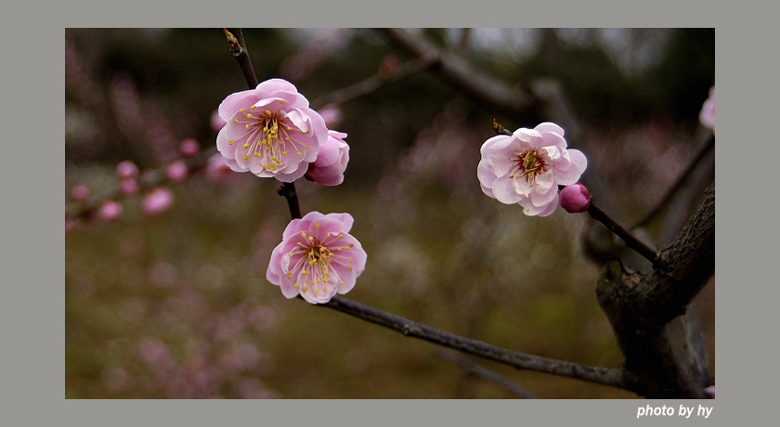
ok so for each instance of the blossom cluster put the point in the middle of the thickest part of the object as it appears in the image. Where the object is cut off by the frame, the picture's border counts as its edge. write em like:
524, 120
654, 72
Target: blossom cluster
272, 132
527, 167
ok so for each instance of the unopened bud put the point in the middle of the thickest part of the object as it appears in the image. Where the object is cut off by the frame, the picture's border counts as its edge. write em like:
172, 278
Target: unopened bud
575, 198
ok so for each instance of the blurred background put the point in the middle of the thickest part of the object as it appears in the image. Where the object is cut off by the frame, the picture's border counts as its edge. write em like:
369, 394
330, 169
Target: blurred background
171, 300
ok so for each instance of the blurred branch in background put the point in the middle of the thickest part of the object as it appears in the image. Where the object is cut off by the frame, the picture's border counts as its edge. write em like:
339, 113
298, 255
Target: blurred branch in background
472, 369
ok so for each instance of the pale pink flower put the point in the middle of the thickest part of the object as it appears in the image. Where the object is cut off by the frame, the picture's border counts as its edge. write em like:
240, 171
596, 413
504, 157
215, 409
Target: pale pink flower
331, 161
79, 193
575, 198
317, 258
527, 167
331, 114
707, 114
158, 201
110, 211
190, 147
176, 171
217, 169
270, 131
127, 169
216, 122
128, 186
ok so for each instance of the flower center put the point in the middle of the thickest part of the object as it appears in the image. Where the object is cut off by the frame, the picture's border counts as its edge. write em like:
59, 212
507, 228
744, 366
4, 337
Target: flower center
269, 137
312, 260
528, 164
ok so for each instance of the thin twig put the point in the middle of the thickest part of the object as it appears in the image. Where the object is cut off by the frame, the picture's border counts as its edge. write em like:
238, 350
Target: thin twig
235, 38
287, 190
611, 377
376, 82
148, 179
631, 241
678, 184
472, 368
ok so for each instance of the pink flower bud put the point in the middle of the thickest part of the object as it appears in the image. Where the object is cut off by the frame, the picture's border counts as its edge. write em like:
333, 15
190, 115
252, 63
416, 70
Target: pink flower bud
707, 113
331, 114
216, 121
79, 193
218, 170
158, 201
190, 147
128, 186
575, 198
69, 224
127, 169
110, 211
328, 169
176, 171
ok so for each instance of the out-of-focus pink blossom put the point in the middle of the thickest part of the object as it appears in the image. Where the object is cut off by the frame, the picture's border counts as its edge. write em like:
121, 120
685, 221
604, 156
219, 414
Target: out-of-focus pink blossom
331, 161
69, 225
317, 258
127, 169
527, 167
216, 122
79, 193
217, 169
176, 171
128, 186
707, 114
331, 114
158, 201
575, 198
190, 147
110, 211
270, 131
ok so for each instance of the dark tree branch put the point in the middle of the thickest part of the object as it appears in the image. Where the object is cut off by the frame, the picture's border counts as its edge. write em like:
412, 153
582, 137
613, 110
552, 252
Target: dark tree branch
287, 190
376, 82
472, 368
611, 377
640, 305
682, 179
457, 72
631, 241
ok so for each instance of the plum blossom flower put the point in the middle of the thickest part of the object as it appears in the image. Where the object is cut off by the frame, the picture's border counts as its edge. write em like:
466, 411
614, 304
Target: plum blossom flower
110, 211
270, 131
217, 169
707, 114
575, 198
158, 201
527, 167
331, 161
176, 171
79, 193
317, 258
128, 186
127, 169
189, 147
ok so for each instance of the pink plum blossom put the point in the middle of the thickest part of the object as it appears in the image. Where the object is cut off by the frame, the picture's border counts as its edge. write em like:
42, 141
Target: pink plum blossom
69, 225
190, 147
317, 258
128, 186
176, 171
575, 198
158, 201
270, 131
216, 122
79, 193
110, 211
217, 169
331, 161
527, 167
331, 114
127, 169
707, 114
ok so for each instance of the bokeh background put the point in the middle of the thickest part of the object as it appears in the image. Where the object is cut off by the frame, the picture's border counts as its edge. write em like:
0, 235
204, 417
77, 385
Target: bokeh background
176, 305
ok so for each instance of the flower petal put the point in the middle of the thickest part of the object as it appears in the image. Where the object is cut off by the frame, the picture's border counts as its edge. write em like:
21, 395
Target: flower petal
571, 175
503, 189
